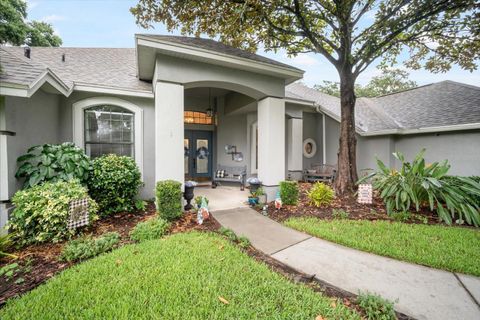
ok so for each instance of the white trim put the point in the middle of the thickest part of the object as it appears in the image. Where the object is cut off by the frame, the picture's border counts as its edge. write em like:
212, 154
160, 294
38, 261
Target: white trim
3, 153
78, 122
112, 90
457, 127
253, 147
217, 57
324, 140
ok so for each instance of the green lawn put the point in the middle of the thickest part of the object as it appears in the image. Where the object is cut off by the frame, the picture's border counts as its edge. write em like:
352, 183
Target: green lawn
178, 277
449, 248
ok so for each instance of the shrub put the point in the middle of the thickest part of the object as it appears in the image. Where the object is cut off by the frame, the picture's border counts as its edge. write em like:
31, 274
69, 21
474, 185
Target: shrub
41, 212
51, 162
229, 233
375, 307
401, 216
289, 192
149, 230
417, 184
340, 214
243, 242
320, 194
168, 194
87, 247
114, 183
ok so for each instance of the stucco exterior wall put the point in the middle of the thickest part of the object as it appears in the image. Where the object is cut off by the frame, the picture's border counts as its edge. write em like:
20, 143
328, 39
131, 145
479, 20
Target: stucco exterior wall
35, 121
461, 149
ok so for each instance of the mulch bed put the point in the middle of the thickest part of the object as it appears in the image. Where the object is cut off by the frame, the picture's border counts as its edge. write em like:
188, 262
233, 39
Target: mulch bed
357, 211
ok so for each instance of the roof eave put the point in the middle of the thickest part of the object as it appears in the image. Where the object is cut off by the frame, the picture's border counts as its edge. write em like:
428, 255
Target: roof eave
289, 74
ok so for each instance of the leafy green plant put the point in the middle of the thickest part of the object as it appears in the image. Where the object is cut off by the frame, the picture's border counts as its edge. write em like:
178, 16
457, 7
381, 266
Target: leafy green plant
5, 243
228, 233
376, 307
41, 212
168, 199
149, 230
87, 247
259, 192
289, 192
340, 214
320, 194
243, 242
114, 183
402, 216
10, 270
418, 184
141, 205
51, 162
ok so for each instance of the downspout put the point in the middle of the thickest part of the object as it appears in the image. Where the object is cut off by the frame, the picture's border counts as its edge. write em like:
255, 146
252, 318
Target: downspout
324, 146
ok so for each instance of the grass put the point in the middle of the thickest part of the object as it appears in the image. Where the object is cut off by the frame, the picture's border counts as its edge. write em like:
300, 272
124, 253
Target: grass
183, 276
449, 248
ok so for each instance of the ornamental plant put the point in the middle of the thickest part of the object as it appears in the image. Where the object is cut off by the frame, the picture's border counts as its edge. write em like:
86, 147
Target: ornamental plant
320, 194
114, 183
41, 212
87, 247
289, 192
168, 199
150, 230
53, 162
418, 184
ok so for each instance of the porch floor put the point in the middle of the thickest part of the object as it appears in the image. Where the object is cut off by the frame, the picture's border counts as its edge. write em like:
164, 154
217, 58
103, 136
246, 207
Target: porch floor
223, 197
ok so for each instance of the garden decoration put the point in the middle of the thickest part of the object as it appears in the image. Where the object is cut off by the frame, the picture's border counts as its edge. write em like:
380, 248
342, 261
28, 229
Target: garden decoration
78, 211
278, 201
203, 212
188, 194
265, 210
365, 193
254, 183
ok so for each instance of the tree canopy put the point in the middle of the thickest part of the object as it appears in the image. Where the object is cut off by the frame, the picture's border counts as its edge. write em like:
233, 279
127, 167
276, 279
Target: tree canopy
16, 30
350, 34
390, 81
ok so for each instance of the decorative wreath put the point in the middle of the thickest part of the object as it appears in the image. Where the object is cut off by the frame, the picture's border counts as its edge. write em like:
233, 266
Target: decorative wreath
309, 148
202, 153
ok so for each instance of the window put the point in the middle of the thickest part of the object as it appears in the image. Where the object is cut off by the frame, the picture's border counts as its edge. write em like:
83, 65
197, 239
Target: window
109, 129
195, 117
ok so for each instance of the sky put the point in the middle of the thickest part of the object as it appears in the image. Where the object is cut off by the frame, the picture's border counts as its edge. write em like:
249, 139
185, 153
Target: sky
109, 23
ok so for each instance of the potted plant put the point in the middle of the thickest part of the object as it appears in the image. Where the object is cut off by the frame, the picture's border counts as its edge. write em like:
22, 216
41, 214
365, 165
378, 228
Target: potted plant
262, 197
188, 194
254, 183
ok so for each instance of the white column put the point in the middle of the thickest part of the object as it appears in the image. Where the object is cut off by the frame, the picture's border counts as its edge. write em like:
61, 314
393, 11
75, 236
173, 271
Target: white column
295, 144
169, 162
271, 143
3, 153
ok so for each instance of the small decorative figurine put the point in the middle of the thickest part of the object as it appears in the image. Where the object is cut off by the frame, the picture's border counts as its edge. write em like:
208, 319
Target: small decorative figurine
265, 210
203, 212
278, 201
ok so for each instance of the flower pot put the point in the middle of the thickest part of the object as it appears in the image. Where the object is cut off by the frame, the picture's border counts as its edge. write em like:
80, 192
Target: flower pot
188, 195
252, 201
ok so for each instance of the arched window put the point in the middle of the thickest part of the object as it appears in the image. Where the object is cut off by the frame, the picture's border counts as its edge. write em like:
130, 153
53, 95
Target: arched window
109, 129
103, 125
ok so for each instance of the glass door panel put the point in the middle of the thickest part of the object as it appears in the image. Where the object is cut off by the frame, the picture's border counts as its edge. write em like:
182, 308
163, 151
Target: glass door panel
203, 155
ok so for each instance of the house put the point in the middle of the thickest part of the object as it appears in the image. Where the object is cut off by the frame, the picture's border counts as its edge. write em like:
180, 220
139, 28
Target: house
174, 103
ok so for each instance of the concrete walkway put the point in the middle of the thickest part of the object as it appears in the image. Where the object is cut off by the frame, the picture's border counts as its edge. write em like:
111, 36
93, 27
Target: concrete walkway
421, 292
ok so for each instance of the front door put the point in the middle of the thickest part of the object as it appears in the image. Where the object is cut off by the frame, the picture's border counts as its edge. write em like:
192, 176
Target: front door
198, 150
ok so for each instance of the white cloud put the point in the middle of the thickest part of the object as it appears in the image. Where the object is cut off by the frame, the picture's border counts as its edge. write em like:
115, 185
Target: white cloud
302, 60
31, 4
53, 18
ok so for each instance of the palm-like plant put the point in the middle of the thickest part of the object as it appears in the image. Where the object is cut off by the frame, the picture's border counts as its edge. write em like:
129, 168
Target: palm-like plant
419, 184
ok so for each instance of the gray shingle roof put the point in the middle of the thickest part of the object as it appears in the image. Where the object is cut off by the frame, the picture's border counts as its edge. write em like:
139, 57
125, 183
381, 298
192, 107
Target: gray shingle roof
16, 70
439, 104
111, 67
215, 46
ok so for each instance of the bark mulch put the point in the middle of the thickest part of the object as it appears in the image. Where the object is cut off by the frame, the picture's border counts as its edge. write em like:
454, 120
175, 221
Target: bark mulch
357, 211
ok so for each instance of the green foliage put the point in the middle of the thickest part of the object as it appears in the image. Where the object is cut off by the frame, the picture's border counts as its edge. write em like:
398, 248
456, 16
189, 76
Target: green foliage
244, 242
5, 243
418, 183
41, 212
15, 30
376, 307
289, 192
9, 271
229, 233
340, 214
402, 216
114, 183
259, 192
158, 278
52, 162
198, 200
87, 247
141, 205
450, 248
149, 230
320, 194
168, 195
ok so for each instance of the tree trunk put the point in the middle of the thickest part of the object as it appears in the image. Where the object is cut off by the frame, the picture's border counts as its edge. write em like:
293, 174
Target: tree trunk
347, 159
